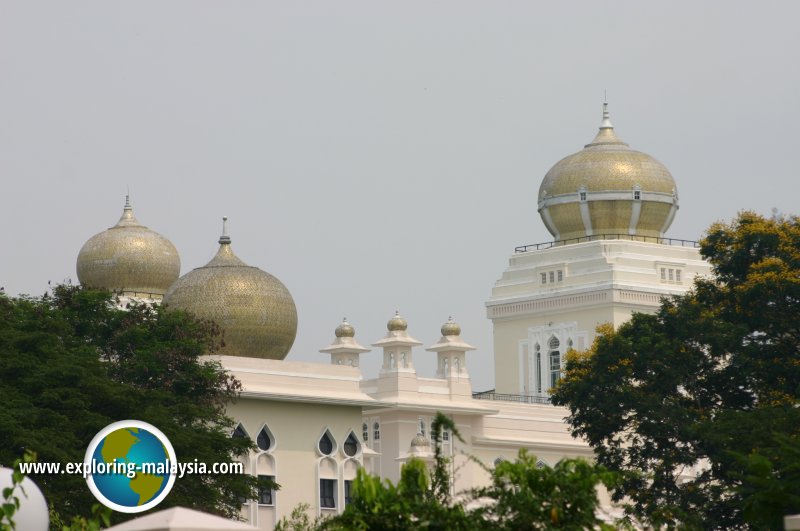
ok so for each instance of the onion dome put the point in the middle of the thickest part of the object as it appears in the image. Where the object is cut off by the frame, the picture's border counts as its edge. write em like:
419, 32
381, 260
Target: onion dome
451, 328
420, 441
345, 329
397, 323
607, 190
254, 309
129, 259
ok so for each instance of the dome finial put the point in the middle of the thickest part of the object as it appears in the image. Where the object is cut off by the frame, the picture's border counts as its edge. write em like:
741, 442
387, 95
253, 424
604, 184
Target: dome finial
451, 328
606, 123
224, 239
397, 323
127, 217
345, 329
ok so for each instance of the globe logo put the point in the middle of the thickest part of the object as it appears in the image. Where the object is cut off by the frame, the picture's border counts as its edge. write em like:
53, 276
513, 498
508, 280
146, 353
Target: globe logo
130, 466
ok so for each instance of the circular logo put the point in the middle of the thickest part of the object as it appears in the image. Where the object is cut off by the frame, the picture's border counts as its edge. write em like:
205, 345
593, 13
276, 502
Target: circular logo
130, 466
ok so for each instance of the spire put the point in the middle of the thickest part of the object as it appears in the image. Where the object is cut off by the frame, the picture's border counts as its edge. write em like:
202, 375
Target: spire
606, 123
224, 239
127, 217
606, 134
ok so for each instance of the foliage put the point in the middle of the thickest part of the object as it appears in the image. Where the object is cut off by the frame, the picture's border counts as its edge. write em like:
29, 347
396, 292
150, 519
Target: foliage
100, 519
524, 496
11, 502
72, 363
702, 397
418, 501
521, 496
299, 520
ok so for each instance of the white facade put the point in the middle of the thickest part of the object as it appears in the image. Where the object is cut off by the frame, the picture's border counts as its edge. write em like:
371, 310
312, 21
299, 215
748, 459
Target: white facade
546, 302
550, 300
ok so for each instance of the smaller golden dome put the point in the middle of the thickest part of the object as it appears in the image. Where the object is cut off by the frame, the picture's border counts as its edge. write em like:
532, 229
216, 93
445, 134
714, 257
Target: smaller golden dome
397, 323
420, 441
451, 328
129, 258
254, 309
345, 329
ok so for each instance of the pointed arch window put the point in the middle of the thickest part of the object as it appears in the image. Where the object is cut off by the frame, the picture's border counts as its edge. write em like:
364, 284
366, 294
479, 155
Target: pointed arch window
351, 445
326, 444
376, 431
365, 432
238, 432
264, 439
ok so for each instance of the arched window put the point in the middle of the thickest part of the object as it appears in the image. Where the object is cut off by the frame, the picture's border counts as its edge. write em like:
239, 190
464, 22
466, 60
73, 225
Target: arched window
555, 361
264, 439
376, 431
537, 368
238, 432
365, 432
350, 446
326, 444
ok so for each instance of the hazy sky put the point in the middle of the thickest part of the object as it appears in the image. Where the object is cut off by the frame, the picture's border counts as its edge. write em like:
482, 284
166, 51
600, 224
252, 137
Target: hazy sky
375, 155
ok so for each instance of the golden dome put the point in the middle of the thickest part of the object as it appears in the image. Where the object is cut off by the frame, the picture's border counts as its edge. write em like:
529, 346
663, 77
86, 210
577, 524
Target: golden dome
129, 258
607, 189
451, 328
397, 323
345, 329
254, 309
420, 441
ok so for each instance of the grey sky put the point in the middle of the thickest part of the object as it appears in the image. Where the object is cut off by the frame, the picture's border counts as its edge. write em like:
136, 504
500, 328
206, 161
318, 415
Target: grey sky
375, 155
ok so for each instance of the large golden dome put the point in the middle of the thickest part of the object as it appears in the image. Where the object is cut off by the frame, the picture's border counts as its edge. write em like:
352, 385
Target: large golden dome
129, 259
254, 309
607, 190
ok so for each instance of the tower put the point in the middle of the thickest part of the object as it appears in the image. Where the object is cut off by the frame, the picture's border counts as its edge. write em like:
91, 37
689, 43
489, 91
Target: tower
345, 350
608, 207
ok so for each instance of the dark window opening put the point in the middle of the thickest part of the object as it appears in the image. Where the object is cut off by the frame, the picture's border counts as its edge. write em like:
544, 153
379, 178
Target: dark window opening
348, 497
351, 445
327, 488
239, 433
266, 495
263, 440
326, 444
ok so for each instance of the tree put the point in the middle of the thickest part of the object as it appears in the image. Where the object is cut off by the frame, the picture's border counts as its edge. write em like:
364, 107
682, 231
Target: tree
521, 496
525, 496
72, 363
698, 404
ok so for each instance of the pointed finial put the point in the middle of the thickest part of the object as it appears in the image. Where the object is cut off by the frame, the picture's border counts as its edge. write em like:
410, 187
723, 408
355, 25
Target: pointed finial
127, 217
606, 123
224, 239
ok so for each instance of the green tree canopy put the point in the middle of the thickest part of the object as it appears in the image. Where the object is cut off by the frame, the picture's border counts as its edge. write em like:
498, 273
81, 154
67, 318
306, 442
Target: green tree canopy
72, 363
702, 397
520, 496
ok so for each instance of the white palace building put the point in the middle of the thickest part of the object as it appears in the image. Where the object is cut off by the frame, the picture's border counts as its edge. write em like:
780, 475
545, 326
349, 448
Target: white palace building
607, 207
